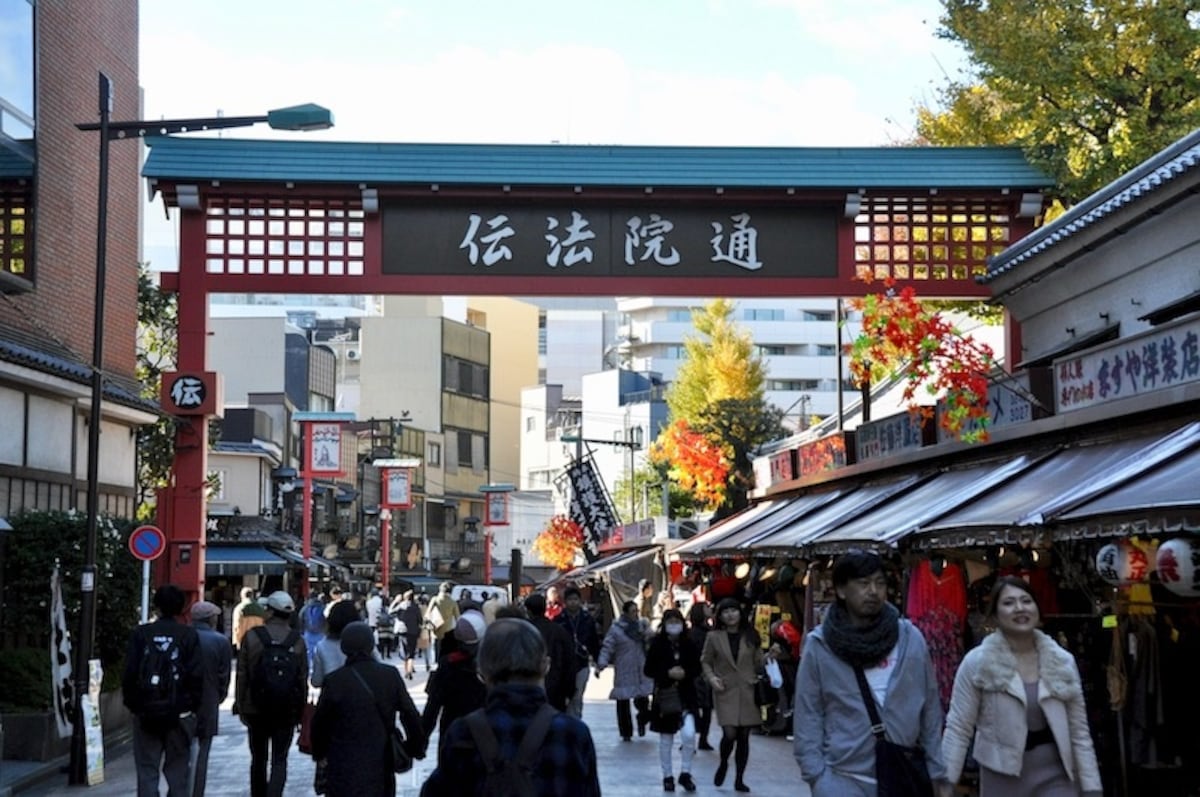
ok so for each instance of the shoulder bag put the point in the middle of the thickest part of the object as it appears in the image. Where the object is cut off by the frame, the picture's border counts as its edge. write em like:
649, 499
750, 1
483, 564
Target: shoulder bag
401, 760
900, 770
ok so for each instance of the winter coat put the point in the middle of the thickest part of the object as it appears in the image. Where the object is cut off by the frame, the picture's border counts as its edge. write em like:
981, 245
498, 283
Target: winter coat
216, 654
627, 655
831, 725
663, 655
454, 689
446, 610
989, 702
585, 639
161, 632
250, 652
735, 704
560, 680
348, 729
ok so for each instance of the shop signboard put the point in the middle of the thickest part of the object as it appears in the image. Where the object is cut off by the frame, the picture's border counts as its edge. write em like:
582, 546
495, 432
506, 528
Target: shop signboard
1163, 358
632, 535
830, 452
905, 431
1017, 399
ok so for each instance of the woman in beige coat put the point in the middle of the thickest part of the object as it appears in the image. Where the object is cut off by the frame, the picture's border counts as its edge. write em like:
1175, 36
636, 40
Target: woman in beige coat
731, 660
1020, 695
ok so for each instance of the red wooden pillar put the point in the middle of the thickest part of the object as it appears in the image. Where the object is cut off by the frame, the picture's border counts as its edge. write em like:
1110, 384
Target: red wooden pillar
186, 511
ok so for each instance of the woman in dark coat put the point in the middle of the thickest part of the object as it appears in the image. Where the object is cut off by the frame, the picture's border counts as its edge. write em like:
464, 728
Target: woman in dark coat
454, 689
349, 724
674, 661
699, 624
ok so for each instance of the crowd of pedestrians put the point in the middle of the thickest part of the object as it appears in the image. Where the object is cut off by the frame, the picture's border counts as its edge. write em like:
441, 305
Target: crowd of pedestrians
505, 696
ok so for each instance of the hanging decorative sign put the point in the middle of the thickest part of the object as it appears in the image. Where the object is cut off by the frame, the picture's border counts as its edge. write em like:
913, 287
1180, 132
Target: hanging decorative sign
1178, 565
497, 509
326, 448
397, 488
1123, 563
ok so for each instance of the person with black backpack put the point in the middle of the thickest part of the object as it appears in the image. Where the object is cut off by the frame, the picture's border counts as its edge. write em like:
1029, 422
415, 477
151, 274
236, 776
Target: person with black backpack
272, 686
517, 745
162, 685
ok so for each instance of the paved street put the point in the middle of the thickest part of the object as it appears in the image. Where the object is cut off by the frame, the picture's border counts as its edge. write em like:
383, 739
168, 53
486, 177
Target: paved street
625, 768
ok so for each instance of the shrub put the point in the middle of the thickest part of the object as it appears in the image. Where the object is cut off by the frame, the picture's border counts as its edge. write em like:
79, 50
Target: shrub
25, 679
37, 540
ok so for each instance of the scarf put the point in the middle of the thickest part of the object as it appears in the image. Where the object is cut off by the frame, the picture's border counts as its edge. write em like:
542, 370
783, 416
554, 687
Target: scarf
861, 646
633, 630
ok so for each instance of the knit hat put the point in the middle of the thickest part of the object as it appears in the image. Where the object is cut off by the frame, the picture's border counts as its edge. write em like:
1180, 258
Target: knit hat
205, 610
280, 601
357, 639
470, 627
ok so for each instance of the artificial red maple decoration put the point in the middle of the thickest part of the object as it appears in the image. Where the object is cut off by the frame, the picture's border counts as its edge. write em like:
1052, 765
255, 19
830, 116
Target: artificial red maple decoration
903, 335
696, 463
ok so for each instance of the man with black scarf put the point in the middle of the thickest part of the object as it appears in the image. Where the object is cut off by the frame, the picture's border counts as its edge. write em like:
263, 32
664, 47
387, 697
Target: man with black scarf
834, 744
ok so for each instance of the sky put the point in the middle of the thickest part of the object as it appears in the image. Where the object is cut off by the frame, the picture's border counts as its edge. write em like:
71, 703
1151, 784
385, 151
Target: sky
666, 72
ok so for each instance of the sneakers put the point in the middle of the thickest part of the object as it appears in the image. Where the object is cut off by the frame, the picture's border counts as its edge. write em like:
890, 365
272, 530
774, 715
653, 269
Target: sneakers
704, 745
685, 780
669, 783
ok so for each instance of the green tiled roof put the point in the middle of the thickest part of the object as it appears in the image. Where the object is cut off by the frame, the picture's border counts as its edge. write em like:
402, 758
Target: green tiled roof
176, 158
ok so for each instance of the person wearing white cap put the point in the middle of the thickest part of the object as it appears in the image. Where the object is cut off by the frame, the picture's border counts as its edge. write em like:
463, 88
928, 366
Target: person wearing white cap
270, 728
215, 654
454, 690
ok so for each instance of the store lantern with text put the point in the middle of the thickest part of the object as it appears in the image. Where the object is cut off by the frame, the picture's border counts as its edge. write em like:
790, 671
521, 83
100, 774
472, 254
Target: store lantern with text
1178, 565
1123, 563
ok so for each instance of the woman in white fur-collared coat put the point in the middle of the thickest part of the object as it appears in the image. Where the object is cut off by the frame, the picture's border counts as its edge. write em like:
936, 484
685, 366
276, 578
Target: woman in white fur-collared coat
1019, 693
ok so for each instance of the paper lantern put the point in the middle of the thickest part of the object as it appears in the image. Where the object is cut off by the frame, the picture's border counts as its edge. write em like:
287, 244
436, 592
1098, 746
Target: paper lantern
1122, 563
1178, 565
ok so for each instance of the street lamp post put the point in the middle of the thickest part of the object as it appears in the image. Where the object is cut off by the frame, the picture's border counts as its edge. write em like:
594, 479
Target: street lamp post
301, 117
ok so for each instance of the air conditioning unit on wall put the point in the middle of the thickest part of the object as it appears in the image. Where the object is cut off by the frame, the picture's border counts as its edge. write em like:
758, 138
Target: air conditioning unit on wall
352, 354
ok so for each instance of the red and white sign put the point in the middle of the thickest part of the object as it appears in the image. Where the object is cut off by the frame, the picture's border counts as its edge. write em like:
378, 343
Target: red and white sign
326, 448
497, 509
147, 543
191, 393
397, 488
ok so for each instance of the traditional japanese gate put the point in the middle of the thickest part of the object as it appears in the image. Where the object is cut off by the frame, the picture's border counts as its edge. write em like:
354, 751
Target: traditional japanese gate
428, 219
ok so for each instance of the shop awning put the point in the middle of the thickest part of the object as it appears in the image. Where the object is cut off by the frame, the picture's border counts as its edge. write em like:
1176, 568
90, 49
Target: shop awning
904, 514
788, 514
242, 560
713, 536
293, 557
815, 524
1167, 498
1064, 481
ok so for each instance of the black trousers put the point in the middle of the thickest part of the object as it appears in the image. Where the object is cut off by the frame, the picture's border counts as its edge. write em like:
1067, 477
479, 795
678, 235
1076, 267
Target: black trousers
625, 718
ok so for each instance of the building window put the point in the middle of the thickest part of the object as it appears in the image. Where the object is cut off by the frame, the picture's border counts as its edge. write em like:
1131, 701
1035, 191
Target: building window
818, 315
762, 314
771, 351
542, 332
464, 449
826, 350
676, 352
531, 423
433, 455
680, 315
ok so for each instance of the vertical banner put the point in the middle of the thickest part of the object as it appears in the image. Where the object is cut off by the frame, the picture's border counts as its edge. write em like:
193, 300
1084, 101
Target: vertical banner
93, 731
497, 509
591, 507
326, 448
60, 659
397, 488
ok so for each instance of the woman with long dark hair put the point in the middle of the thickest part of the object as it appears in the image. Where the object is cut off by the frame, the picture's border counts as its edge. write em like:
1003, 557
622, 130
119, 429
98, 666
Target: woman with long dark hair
674, 664
731, 661
1019, 695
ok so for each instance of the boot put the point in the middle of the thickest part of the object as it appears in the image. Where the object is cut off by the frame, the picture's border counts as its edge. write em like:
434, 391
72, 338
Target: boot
685, 780
668, 783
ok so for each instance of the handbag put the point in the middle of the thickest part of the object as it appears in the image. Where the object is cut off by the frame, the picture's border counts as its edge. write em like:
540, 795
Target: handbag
668, 700
774, 674
401, 760
764, 693
304, 742
899, 770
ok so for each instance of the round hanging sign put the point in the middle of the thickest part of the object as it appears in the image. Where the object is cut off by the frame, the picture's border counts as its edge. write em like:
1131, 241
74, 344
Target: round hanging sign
1178, 565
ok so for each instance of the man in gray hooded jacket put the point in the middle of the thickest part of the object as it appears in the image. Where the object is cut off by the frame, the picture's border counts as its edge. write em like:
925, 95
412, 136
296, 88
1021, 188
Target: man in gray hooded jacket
834, 745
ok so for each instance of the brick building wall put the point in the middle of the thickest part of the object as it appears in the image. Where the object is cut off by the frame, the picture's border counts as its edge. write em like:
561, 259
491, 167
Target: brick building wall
75, 40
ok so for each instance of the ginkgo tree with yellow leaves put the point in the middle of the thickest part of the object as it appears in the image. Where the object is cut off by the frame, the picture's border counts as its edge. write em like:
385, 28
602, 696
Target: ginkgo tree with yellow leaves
718, 413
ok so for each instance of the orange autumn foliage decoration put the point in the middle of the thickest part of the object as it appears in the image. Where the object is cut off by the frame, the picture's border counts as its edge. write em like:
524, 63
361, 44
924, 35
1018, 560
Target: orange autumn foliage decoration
559, 542
696, 463
900, 332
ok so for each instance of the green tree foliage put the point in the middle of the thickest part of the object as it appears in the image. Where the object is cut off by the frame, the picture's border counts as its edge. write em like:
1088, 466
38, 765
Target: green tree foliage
157, 349
37, 541
646, 494
719, 391
1088, 88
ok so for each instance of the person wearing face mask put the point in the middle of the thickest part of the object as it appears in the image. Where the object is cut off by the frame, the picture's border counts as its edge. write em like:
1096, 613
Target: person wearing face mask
1020, 696
624, 647
673, 661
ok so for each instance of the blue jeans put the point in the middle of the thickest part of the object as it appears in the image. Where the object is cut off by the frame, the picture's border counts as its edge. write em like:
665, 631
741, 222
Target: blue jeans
169, 752
575, 707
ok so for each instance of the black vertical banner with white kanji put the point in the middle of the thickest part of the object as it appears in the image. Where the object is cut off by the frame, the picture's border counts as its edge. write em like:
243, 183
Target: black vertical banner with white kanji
591, 506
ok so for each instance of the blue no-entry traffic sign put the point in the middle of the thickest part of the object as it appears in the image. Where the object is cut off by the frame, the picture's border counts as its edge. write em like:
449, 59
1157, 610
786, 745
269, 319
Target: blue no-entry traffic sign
147, 542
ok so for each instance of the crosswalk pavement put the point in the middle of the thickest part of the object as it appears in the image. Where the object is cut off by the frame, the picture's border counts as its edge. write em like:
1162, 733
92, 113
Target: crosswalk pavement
627, 769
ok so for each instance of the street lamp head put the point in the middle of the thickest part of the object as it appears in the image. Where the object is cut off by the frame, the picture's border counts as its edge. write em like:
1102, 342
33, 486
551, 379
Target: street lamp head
301, 117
